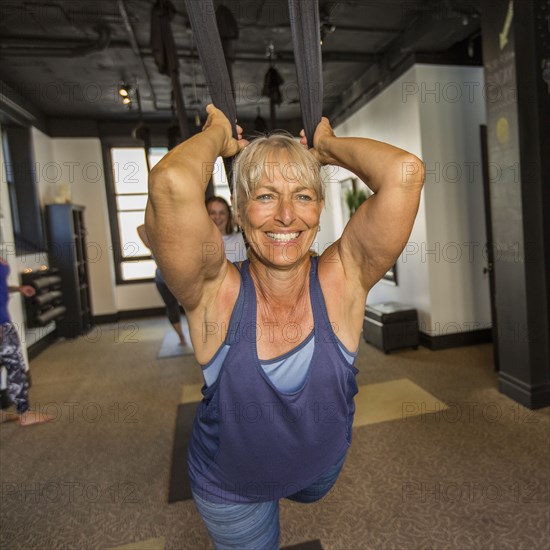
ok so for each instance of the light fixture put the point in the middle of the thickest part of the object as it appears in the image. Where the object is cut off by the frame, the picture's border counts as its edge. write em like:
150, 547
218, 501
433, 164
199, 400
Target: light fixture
123, 89
126, 93
326, 27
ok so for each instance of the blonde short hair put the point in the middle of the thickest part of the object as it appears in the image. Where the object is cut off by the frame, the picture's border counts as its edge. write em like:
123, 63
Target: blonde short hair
275, 152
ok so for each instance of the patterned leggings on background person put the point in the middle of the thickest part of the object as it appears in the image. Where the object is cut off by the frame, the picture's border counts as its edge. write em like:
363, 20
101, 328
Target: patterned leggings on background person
11, 357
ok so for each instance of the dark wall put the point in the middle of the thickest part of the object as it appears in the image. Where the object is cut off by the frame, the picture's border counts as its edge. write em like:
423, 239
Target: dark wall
518, 103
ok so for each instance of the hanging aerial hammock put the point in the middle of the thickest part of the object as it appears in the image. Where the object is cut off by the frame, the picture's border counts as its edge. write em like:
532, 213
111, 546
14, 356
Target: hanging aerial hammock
229, 32
166, 56
142, 131
271, 89
209, 45
306, 37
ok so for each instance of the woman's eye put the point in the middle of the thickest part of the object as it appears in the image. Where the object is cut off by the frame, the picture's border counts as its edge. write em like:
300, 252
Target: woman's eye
264, 197
304, 197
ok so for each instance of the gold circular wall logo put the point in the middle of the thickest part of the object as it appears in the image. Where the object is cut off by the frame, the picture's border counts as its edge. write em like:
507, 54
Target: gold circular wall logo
503, 130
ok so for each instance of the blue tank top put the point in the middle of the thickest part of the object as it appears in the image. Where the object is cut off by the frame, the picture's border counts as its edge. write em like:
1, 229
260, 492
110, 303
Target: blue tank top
252, 442
4, 293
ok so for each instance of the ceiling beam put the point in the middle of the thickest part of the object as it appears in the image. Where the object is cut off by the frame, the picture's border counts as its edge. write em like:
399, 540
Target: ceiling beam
61, 47
338, 28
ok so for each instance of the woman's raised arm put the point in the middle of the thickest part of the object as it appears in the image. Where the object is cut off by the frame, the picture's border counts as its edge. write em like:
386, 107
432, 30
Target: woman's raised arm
185, 242
378, 231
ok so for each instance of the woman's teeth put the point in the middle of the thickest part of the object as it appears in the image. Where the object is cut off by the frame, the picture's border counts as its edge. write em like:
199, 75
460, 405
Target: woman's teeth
284, 237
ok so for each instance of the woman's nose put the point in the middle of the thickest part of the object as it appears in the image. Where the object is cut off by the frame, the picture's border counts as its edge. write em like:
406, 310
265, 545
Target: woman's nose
285, 212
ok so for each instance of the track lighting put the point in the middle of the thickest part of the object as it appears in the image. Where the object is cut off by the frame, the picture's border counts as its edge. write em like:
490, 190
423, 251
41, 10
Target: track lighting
125, 92
123, 89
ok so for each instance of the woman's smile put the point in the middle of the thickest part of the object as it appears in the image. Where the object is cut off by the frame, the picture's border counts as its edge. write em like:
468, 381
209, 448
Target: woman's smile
284, 237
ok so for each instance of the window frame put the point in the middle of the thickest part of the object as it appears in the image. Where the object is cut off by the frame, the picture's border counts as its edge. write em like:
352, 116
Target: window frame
116, 244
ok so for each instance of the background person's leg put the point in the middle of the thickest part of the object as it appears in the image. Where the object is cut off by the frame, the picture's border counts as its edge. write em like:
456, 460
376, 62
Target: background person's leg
241, 526
172, 309
12, 358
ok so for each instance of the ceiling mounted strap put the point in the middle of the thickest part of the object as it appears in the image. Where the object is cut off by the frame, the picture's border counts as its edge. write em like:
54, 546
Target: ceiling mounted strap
166, 56
306, 38
202, 17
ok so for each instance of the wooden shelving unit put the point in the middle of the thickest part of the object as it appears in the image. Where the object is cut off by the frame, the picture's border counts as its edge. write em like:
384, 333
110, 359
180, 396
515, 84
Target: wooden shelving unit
67, 250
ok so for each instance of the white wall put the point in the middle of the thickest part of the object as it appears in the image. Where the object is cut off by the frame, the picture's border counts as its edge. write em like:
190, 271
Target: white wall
390, 119
448, 288
452, 108
48, 172
81, 166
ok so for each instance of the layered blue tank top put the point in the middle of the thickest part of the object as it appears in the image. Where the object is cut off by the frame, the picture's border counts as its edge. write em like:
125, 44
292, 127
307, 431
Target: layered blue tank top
252, 442
4, 293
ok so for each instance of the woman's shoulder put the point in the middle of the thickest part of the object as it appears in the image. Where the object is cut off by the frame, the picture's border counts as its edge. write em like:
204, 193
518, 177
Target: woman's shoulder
210, 320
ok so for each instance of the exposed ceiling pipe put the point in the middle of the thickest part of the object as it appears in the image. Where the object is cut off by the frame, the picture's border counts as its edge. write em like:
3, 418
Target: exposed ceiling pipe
34, 47
344, 28
27, 47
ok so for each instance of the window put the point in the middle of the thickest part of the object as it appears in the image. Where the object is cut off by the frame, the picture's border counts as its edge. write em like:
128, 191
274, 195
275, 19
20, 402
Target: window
22, 186
133, 259
127, 201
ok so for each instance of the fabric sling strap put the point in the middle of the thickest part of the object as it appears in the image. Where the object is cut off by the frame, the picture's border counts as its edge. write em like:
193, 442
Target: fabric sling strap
306, 38
202, 17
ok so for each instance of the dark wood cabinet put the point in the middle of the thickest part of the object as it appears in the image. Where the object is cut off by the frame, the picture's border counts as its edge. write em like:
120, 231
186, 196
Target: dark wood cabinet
67, 251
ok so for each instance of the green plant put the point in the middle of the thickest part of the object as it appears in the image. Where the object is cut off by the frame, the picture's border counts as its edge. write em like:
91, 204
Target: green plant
354, 199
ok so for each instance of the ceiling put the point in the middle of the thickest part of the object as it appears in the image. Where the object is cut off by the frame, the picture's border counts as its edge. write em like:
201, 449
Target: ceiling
64, 60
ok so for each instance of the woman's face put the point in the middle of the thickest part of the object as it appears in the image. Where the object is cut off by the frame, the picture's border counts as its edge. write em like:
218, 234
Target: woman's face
281, 219
219, 214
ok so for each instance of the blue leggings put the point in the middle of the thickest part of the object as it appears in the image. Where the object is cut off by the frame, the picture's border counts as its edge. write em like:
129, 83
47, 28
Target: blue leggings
256, 526
170, 301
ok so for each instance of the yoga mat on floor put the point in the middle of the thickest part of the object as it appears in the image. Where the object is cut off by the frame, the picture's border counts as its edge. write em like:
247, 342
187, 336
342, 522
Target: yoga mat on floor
180, 487
309, 545
170, 346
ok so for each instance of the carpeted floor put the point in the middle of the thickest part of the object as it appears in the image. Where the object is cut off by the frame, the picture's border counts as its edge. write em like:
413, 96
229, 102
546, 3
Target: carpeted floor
472, 476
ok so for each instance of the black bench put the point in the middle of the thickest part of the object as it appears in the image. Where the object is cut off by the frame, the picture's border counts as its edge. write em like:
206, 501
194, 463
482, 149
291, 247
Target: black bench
391, 326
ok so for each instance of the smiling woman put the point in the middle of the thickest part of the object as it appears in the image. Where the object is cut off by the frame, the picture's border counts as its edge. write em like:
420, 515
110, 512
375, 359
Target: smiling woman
279, 196
275, 334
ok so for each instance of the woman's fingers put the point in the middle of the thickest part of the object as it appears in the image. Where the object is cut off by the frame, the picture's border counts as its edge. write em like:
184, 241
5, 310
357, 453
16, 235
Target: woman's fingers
303, 139
242, 143
232, 146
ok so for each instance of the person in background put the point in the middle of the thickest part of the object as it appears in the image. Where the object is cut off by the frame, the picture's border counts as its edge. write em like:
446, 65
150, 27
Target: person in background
220, 213
11, 355
170, 301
